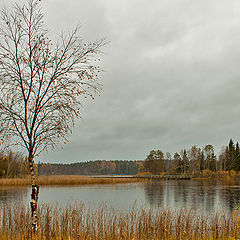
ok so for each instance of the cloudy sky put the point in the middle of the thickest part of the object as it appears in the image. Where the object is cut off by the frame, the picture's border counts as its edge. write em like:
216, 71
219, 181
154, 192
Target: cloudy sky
172, 76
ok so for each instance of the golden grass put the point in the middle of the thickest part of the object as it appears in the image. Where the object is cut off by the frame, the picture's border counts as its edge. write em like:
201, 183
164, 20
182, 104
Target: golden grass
66, 180
105, 223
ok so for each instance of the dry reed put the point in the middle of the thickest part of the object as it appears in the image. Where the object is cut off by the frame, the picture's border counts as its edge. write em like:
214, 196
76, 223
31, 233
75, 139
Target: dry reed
66, 180
105, 223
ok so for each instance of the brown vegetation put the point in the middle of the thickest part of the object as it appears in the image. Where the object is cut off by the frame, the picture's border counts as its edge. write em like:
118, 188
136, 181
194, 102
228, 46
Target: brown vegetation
208, 174
78, 222
66, 180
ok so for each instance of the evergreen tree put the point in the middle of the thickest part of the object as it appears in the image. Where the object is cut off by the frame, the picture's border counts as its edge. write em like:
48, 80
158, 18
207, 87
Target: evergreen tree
237, 157
228, 165
185, 161
210, 157
178, 163
231, 148
159, 158
213, 163
149, 163
202, 160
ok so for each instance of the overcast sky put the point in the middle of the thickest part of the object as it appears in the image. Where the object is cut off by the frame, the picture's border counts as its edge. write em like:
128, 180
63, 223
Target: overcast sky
172, 76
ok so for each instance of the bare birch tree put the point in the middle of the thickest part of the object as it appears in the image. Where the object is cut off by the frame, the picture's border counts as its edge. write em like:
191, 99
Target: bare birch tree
42, 83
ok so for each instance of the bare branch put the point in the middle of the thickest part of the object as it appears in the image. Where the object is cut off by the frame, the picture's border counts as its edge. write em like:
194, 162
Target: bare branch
43, 84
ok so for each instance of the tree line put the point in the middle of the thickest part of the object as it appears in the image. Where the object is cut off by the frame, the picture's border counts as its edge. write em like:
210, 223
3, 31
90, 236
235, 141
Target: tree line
187, 161
193, 160
99, 167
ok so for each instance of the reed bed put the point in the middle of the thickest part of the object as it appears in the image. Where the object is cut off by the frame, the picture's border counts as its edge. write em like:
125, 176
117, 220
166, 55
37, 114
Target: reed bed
77, 221
66, 180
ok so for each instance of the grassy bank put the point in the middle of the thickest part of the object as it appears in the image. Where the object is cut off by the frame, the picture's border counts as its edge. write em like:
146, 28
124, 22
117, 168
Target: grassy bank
225, 175
65, 180
105, 223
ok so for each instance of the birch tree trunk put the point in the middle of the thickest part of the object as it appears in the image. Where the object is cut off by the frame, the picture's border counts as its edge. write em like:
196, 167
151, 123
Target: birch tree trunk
34, 195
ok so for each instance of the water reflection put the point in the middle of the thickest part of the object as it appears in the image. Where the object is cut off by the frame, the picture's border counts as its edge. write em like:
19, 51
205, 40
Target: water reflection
14, 194
208, 196
205, 196
230, 195
154, 193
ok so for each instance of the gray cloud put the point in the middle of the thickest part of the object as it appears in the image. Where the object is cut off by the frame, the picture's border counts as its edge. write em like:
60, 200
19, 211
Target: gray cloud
171, 81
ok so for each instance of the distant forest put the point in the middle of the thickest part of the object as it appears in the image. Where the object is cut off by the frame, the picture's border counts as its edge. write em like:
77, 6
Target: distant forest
100, 167
188, 161
194, 160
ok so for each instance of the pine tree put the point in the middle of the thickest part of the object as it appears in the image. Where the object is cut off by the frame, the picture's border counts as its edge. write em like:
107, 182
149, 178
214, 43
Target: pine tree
185, 161
237, 155
202, 165
159, 161
149, 162
228, 165
231, 149
178, 163
213, 163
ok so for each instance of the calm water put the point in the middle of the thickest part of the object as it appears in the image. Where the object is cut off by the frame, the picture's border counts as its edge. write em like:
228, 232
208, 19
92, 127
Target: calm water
206, 196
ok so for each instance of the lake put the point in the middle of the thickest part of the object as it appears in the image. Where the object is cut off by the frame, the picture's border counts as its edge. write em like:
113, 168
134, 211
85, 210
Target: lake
206, 196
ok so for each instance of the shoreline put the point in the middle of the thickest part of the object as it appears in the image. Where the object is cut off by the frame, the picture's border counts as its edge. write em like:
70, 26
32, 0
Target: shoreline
108, 179
67, 180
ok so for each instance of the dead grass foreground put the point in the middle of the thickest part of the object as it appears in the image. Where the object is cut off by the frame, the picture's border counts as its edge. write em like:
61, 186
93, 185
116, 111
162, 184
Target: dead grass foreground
77, 221
66, 180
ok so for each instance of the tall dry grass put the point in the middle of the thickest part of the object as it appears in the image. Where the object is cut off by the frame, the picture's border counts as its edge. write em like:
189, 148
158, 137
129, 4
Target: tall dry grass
66, 180
105, 223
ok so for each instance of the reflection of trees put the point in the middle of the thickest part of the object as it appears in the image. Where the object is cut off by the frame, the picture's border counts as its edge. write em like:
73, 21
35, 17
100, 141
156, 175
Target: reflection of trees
230, 195
154, 193
199, 197
210, 195
167, 193
181, 194
13, 194
196, 195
